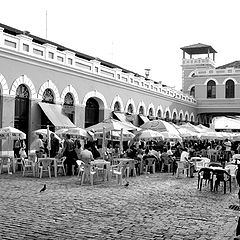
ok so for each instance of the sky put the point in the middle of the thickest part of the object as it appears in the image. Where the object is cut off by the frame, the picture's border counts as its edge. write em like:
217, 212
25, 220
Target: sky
134, 34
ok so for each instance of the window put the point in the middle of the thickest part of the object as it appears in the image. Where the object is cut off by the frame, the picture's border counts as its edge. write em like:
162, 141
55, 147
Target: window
141, 110
150, 112
130, 108
51, 55
60, 59
117, 107
229, 89
48, 96
38, 52
70, 61
10, 43
211, 89
159, 113
192, 92
25, 47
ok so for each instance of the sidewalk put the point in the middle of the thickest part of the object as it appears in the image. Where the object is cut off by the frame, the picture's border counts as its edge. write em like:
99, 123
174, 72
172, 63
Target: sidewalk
156, 206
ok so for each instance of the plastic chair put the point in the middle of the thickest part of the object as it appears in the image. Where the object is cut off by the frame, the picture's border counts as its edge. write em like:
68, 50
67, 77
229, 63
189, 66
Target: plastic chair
88, 173
232, 169
28, 166
80, 167
221, 175
181, 167
5, 162
207, 175
45, 166
117, 170
60, 164
150, 163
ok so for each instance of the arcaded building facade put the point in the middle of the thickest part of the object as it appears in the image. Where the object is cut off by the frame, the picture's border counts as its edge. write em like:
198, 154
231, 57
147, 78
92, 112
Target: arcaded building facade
43, 83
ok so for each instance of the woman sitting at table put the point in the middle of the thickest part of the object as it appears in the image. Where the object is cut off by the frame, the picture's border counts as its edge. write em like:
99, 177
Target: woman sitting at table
185, 158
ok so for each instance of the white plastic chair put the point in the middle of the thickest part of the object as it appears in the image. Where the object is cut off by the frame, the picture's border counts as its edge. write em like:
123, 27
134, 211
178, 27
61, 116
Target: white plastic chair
5, 162
28, 166
80, 167
182, 168
232, 169
88, 173
60, 164
45, 167
117, 170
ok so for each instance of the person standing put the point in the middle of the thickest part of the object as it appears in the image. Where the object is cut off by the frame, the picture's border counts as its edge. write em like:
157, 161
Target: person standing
185, 158
38, 146
17, 147
69, 153
54, 145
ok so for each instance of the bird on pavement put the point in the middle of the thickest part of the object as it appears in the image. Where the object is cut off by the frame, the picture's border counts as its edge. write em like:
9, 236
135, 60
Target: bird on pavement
127, 184
44, 188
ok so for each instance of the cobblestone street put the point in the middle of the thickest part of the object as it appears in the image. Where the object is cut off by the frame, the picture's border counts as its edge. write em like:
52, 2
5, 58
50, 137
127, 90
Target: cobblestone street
158, 206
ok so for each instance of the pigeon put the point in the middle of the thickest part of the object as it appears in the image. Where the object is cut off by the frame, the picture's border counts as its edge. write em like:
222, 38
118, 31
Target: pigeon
44, 188
127, 184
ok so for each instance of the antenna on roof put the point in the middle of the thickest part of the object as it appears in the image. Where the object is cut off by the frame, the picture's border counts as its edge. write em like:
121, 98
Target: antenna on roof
46, 24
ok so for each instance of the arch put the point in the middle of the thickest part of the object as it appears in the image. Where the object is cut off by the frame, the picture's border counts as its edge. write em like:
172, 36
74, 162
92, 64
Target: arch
191, 74
49, 84
186, 116
130, 101
181, 115
229, 89
117, 98
211, 89
23, 79
72, 90
151, 106
174, 111
192, 117
167, 109
141, 104
209, 79
226, 79
159, 110
97, 95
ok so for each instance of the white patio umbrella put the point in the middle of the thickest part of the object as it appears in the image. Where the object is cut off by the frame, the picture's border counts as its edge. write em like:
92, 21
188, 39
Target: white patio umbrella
60, 132
148, 135
160, 126
45, 133
11, 133
78, 133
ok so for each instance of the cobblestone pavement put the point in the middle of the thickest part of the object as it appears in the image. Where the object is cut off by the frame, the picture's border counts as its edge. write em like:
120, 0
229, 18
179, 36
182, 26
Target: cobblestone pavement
156, 206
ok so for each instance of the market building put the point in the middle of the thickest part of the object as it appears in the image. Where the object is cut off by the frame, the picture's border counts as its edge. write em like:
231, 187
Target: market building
43, 83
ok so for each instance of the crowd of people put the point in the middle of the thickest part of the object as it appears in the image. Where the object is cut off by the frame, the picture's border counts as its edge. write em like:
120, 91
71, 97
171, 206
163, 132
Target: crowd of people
166, 153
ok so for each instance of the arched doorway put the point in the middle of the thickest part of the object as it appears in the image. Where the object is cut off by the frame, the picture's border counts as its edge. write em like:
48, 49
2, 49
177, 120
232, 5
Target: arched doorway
21, 115
91, 112
68, 107
48, 97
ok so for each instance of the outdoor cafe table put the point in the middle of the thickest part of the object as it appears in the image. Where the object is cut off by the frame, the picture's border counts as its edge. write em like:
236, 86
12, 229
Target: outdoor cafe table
54, 160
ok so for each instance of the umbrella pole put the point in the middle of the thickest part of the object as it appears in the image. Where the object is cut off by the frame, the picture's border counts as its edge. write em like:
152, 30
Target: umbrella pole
121, 141
49, 142
103, 143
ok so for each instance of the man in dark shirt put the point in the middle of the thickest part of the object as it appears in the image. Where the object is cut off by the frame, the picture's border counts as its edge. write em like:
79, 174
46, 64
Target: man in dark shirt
69, 153
54, 145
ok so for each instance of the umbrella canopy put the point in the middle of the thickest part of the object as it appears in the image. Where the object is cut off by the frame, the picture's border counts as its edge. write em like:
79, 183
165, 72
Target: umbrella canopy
61, 131
171, 136
186, 133
160, 126
148, 135
78, 133
115, 135
112, 124
11, 133
44, 132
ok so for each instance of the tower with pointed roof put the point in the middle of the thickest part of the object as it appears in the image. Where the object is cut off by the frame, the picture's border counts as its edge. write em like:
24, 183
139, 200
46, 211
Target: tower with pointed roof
195, 61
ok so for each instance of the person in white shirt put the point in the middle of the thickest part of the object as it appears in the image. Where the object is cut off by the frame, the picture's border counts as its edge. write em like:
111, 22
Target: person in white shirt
185, 158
